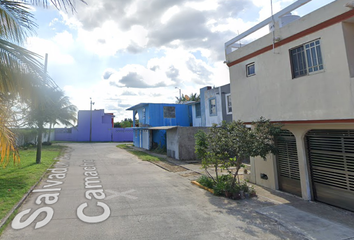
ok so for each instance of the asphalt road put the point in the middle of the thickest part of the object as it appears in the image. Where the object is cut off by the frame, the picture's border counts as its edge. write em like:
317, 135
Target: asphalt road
98, 191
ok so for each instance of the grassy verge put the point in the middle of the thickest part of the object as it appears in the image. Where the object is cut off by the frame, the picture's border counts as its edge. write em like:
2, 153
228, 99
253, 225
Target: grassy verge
140, 154
15, 181
125, 146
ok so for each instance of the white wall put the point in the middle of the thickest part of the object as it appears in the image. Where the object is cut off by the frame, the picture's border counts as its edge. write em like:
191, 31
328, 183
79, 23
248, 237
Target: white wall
273, 93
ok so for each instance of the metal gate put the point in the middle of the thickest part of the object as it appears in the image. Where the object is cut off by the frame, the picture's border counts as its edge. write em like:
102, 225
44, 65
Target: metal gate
288, 164
331, 156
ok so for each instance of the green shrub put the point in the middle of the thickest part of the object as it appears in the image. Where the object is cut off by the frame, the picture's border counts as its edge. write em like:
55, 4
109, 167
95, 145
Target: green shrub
205, 181
244, 187
225, 178
224, 186
219, 188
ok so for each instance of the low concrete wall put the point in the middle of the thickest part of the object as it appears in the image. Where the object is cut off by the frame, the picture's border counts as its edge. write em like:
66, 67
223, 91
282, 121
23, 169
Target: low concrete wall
20, 138
180, 142
172, 143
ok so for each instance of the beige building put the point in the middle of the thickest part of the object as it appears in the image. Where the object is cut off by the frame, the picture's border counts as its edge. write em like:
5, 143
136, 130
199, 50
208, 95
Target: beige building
302, 75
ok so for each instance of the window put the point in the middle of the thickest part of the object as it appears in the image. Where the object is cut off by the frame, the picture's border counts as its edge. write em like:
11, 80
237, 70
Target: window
144, 115
306, 59
169, 112
197, 110
228, 103
212, 106
250, 69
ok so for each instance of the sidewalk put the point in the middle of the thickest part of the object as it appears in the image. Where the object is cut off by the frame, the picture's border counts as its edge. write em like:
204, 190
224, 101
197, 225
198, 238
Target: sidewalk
310, 220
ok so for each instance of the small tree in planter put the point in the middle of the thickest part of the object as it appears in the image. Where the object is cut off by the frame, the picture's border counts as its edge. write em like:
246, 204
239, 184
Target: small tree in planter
209, 148
227, 145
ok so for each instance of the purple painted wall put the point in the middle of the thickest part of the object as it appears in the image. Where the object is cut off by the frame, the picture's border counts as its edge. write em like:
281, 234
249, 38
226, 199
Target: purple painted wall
102, 129
122, 134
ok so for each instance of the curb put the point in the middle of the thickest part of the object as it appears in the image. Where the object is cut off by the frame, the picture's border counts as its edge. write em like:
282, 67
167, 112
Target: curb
19, 203
201, 186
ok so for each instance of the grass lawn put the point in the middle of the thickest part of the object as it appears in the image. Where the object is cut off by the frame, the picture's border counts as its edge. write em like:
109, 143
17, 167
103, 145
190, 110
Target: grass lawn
125, 146
15, 181
140, 154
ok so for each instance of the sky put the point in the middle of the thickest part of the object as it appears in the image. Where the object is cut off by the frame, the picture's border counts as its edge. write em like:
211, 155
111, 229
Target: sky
124, 52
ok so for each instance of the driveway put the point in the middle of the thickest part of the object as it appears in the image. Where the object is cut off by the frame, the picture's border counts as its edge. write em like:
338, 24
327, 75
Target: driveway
98, 191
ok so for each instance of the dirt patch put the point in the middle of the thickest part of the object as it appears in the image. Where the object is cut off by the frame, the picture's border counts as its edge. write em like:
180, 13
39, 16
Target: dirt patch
190, 174
170, 166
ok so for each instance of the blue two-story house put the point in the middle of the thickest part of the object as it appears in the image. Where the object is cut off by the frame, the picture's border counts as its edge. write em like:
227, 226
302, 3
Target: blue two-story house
155, 119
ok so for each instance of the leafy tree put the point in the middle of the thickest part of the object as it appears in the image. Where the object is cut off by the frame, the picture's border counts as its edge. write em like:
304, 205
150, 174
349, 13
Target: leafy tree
227, 145
21, 71
127, 122
60, 110
194, 97
52, 107
203, 148
38, 115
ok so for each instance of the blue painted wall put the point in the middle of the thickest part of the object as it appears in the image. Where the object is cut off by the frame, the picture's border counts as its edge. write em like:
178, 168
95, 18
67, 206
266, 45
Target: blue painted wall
153, 117
159, 138
136, 137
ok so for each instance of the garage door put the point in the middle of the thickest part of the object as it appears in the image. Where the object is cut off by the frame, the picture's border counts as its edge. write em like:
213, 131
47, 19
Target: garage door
288, 164
331, 156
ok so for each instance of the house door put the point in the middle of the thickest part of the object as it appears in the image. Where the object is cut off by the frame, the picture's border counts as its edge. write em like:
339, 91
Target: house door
288, 164
146, 139
331, 156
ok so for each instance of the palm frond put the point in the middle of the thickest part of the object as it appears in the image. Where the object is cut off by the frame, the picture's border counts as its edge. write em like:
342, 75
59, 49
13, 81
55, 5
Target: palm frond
65, 112
16, 21
53, 108
7, 139
21, 71
59, 4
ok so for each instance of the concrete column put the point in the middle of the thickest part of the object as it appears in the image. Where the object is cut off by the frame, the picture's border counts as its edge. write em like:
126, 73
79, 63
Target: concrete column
305, 180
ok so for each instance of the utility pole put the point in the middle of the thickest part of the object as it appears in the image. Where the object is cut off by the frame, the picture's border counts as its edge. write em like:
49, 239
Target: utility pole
180, 95
91, 103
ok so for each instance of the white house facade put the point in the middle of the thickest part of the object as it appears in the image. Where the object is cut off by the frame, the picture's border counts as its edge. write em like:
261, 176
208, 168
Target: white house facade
214, 106
302, 75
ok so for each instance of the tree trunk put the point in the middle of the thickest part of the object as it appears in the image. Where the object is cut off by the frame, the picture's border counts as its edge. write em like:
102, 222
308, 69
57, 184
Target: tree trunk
50, 129
39, 143
238, 167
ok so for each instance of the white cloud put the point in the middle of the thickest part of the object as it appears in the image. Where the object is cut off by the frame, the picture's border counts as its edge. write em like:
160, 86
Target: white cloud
53, 22
70, 21
177, 68
169, 14
131, 9
147, 48
206, 5
109, 39
42, 46
64, 40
